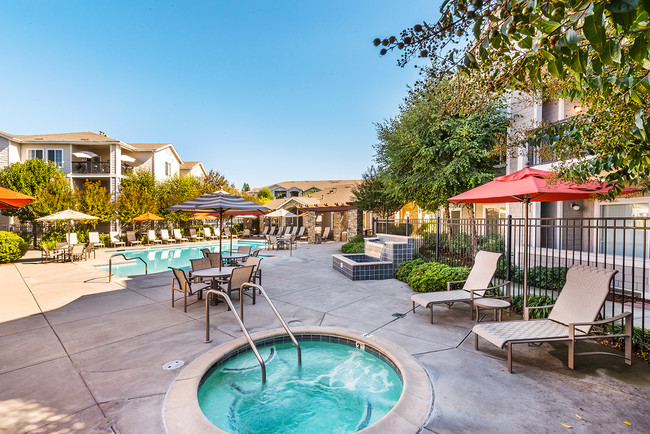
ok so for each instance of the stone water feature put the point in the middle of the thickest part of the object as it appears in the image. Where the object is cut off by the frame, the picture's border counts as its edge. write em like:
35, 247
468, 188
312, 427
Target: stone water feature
381, 256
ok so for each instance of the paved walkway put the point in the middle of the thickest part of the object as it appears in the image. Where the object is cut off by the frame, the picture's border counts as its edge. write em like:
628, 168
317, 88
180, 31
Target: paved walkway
79, 354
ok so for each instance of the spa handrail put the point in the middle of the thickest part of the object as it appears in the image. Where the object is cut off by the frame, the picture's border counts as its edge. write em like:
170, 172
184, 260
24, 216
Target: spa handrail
275, 311
110, 264
239, 321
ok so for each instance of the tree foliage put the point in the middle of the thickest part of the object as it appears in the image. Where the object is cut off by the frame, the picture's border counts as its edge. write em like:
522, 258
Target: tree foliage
134, 200
96, 201
265, 195
373, 194
246, 187
37, 177
215, 181
444, 141
598, 50
177, 189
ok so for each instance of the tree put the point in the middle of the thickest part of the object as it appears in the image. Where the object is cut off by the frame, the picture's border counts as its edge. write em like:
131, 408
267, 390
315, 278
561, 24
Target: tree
32, 178
134, 200
265, 195
372, 194
57, 195
175, 190
598, 50
142, 179
96, 201
246, 187
445, 140
215, 181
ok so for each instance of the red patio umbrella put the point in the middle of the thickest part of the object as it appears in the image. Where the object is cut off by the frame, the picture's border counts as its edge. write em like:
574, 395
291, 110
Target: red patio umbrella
10, 199
531, 185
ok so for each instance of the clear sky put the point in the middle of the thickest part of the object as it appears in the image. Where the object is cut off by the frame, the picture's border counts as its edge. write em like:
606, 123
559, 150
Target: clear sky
262, 91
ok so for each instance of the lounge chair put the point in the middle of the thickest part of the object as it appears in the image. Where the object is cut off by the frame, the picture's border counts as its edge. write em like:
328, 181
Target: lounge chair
164, 236
264, 232
271, 231
324, 235
280, 231
115, 239
71, 238
229, 233
570, 320
131, 239
301, 233
208, 233
194, 236
151, 236
246, 233
186, 287
476, 285
178, 236
93, 237
49, 254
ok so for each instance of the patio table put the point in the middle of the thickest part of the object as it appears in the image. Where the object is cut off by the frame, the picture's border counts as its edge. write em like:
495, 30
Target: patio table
214, 274
232, 257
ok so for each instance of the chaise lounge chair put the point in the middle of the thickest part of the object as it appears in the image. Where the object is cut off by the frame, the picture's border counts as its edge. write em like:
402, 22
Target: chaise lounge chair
194, 236
93, 237
570, 320
178, 236
131, 239
115, 239
164, 235
151, 236
208, 233
301, 233
476, 285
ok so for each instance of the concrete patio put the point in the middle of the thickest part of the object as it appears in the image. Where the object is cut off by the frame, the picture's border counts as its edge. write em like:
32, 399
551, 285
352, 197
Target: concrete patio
80, 354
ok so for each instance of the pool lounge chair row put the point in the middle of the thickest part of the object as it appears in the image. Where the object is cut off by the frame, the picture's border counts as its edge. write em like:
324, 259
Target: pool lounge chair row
152, 237
571, 318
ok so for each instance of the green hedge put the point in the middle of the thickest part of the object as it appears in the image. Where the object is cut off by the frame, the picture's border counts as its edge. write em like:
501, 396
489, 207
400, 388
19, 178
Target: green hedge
12, 247
429, 276
354, 245
517, 302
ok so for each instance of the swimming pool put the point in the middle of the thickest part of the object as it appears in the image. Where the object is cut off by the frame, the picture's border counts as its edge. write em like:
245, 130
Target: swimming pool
159, 259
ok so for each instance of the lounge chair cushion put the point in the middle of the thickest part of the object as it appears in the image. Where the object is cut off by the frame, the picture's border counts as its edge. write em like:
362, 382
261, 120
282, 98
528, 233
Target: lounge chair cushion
480, 276
456, 295
502, 332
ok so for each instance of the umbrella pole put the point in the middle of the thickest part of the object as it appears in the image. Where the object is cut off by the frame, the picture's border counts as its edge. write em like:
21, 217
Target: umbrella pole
526, 202
220, 234
231, 228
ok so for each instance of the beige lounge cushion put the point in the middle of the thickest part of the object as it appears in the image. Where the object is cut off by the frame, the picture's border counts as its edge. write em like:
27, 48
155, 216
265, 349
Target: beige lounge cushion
438, 297
499, 333
481, 274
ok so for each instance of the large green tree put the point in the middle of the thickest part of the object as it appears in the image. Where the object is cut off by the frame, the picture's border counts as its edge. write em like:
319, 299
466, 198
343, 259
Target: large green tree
96, 201
598, 50
175, 190
373, 194
445, 140
134, 200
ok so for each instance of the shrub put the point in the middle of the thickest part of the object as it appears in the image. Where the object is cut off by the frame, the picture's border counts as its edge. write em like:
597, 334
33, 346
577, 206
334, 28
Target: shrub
433, 276
405, 268
354, 245
552, 278
12, 247
517, 303
105, 239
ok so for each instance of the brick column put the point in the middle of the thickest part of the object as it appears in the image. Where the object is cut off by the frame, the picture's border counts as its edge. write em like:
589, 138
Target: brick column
337, 219
311, 227
355, 222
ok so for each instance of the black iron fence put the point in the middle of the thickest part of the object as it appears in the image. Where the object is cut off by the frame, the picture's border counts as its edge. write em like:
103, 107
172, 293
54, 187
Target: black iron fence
554, 245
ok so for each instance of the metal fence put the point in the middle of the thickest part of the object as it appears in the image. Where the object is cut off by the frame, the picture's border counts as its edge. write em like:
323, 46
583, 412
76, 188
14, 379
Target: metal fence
554, 245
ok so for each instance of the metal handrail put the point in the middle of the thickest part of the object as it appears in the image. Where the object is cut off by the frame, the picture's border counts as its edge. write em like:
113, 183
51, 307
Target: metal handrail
275, 311
239, 321
110, 264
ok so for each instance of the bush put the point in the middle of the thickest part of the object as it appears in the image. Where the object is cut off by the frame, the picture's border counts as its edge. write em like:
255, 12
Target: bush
354, 245
12, 247
433, 276
551, 278
404, 269
105, 239
517, 303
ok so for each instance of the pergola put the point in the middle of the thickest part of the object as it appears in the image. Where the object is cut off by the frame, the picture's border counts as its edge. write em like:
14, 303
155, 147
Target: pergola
353, 224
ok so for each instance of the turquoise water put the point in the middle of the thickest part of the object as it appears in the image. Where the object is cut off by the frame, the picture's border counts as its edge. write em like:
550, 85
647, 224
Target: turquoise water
159, 259
338, 389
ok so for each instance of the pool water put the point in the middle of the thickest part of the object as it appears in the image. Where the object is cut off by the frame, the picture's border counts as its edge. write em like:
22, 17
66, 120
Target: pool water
159, 259
338, 389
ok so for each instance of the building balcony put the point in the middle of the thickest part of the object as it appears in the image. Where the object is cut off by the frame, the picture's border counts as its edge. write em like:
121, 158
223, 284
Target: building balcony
91, 167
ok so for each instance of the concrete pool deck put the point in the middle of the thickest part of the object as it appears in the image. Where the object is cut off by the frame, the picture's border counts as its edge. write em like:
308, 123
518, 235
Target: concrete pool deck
79, 354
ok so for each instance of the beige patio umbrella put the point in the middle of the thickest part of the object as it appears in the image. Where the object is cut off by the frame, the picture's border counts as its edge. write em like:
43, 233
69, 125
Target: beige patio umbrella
67, 215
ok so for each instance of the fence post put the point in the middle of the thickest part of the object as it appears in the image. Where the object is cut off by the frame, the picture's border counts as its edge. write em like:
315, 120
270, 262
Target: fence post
437, 237
509, 248
407, 226
374, 226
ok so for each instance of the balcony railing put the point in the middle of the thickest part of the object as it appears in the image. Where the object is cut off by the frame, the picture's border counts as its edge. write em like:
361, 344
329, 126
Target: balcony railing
92, 167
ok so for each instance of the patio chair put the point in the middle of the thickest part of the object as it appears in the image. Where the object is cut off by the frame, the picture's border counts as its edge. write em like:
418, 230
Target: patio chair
61, 245
71, 238
164, 236
178, 236
151, 236
186, 287
324, 235
272, 231
49, 254
77, 251
271, 241
255, 253
476, 285
280, 231
199, 264
571, 318
246, 233
93, 237
301, 233
257, 272
238, 277
115, 239
131, 239
207, 233
89, 249
243, 249
214, 258
194, 236
294, 231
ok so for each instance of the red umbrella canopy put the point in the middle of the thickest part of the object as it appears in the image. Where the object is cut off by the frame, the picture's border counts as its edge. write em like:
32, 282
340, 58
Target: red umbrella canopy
13, 199
530, 185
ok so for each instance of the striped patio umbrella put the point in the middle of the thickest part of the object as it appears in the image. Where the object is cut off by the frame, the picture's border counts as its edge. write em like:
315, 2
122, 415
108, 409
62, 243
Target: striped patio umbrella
220, 202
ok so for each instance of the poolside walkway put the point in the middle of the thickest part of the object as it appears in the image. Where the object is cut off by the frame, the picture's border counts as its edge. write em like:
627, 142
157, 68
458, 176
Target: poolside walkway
79, 354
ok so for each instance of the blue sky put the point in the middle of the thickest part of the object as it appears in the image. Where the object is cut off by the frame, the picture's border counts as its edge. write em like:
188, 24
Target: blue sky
262, 91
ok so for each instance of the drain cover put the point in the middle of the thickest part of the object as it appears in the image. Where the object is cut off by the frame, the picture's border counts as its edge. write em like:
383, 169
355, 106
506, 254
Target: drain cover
399, 315
174, 364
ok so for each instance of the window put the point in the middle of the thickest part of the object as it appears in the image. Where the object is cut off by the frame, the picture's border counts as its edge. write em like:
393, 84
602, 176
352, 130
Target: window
168, 169
55, 155
626, 235
35, 153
